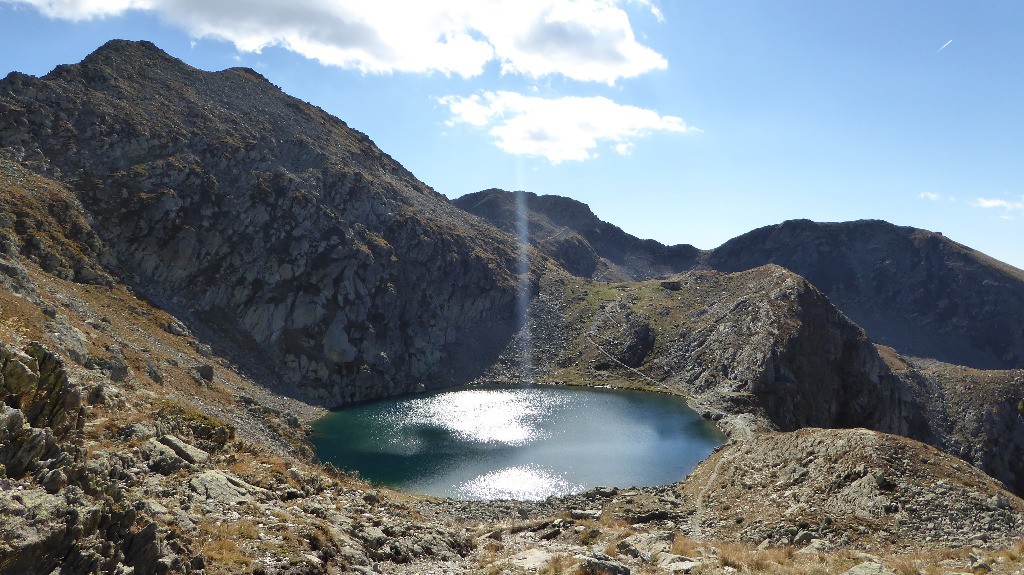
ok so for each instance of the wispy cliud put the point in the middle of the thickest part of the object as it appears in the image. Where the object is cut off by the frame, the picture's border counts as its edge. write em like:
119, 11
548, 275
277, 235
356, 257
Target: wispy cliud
1010, 209
994, 203
943, 47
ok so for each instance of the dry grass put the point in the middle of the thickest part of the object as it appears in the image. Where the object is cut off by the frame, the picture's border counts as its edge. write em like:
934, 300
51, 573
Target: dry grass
221, 543
488, 557
682, 545
590, 535
557, 565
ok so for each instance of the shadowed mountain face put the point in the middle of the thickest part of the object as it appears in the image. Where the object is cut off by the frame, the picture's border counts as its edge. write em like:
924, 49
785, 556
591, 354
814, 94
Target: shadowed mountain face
268, 221
911, 289
568, 232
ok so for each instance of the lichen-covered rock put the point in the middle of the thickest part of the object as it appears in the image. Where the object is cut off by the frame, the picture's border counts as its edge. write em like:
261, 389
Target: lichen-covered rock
223, 487
24, 449
185, 451
162, 459
35, 382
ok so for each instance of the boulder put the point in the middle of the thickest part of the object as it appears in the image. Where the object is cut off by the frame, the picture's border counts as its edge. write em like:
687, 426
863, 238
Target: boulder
599, 564
223, 487
162, 459
185, 451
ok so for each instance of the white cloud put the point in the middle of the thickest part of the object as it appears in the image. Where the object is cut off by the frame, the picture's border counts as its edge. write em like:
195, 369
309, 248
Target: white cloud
77, 10
559, 129
930, 196
1000, 204
587, 40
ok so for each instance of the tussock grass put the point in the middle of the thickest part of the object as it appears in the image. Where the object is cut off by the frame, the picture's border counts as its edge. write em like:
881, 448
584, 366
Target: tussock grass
683, 545
221, 543
558, 565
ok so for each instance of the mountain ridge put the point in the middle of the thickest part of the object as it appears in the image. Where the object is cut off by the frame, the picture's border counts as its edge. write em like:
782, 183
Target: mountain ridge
912, 289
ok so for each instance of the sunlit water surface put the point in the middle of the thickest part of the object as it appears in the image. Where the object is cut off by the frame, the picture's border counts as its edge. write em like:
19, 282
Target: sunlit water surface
524, 443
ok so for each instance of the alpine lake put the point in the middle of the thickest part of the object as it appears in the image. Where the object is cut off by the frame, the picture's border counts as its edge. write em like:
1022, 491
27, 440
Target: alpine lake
524, 442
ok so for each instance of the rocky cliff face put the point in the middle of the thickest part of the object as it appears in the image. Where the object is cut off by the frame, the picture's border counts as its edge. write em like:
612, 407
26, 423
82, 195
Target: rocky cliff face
569, 233
973, 414
762, 342
266, 220
763, 349
914, 290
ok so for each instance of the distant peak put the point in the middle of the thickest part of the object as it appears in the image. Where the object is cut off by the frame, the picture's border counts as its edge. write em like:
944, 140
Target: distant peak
119, 44
126, 48
130, 52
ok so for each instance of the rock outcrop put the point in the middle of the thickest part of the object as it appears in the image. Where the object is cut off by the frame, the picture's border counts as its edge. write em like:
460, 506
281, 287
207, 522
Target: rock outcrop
73, 516
845, 485
973, 414
762, 342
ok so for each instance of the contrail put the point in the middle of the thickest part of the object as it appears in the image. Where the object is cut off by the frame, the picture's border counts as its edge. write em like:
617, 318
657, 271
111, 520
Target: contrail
948, 42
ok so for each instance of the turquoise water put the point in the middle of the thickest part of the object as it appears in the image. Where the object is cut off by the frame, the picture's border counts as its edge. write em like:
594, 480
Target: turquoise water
524, 443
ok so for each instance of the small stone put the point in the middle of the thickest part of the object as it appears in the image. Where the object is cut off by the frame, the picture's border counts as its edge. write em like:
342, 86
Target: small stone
803, 537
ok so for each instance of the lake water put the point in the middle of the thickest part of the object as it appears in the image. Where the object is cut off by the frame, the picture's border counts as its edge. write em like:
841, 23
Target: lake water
523, 442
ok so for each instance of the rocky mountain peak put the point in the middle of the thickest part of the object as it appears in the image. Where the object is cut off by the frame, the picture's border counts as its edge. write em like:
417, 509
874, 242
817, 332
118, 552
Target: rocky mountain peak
912, 289
570, 233
260, 216
915, 290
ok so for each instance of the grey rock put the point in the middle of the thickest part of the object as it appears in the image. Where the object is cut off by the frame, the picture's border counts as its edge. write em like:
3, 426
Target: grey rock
591, 565
185, 451
646, 546
205, 371
223, 487
175, 327
592, 514
140, 430
162, 459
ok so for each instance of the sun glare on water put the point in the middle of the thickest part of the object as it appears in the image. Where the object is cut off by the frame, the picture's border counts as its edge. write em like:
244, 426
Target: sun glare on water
486, 416
523, 483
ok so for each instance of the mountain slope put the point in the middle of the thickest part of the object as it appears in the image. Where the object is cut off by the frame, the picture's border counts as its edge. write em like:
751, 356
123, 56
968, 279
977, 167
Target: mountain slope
569, 233
765, 350
266, 220
911, 289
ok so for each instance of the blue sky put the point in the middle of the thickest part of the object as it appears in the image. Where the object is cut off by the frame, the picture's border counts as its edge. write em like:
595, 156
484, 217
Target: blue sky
681, 121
